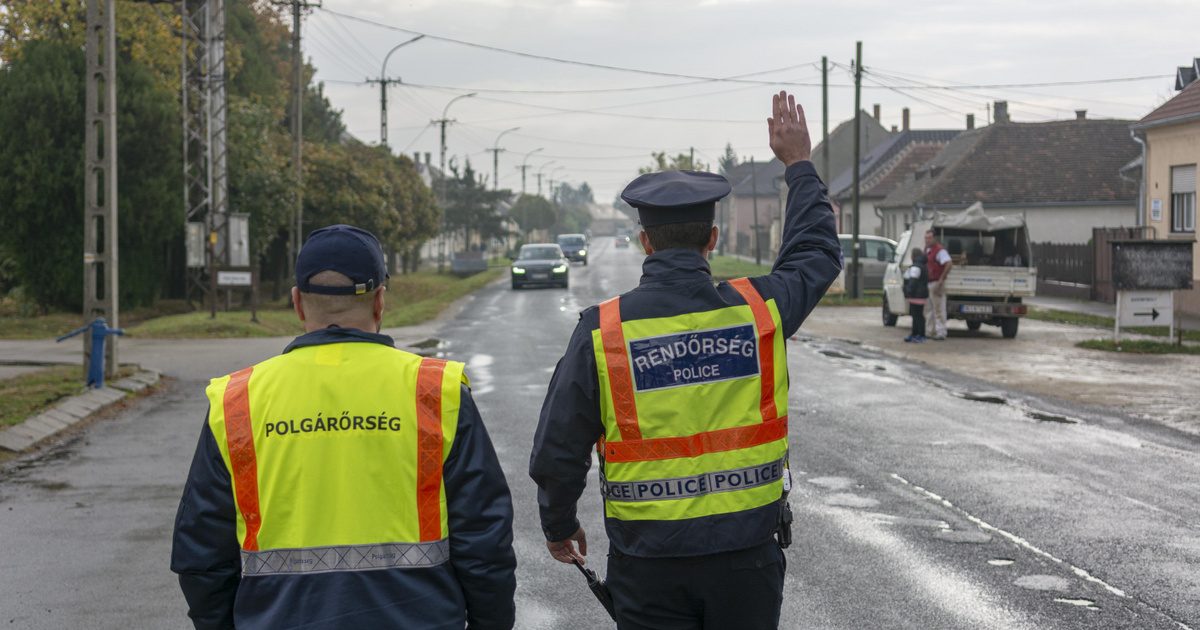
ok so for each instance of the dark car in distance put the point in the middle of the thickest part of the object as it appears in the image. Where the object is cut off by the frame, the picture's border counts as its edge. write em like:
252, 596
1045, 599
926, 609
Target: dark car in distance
540, 264
622, 242
574, 247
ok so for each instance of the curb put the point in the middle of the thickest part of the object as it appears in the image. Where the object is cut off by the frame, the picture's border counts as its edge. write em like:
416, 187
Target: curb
72, 411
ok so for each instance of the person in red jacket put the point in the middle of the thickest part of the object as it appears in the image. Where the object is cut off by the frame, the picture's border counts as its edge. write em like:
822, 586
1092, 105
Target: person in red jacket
938, 263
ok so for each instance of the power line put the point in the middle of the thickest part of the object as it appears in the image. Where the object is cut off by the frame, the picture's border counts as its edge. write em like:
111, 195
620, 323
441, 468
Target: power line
370, 55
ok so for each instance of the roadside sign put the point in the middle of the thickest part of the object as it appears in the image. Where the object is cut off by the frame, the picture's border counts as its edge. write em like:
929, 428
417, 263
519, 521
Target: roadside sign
1146, 308
235, 278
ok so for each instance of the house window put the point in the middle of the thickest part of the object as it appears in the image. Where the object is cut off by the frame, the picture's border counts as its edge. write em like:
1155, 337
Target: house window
1183, 198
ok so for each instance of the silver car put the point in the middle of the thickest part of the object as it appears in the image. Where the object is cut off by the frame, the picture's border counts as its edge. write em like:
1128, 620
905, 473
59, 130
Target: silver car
874, 254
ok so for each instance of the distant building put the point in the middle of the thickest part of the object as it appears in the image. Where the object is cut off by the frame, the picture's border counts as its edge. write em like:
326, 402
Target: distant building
1171, 135
1063, 176
755, 190
841, 144
882, 170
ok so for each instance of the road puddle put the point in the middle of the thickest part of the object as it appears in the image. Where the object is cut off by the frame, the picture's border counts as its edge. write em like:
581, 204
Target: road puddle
833, 483
994, 398
965, 537
1043, 582
1082, 603
844, 499
479, 370
1042, 416
835, 354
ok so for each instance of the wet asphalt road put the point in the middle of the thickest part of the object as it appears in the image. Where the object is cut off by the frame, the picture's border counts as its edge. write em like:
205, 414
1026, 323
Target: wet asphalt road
915, 507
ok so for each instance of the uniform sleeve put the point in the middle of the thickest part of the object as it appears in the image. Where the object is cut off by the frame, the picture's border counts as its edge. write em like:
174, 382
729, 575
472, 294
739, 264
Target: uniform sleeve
567, 431
205, 552
480, 515
810, 256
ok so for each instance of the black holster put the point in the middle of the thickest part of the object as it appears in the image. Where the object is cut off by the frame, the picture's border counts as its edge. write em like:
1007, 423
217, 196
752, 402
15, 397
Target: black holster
783, 533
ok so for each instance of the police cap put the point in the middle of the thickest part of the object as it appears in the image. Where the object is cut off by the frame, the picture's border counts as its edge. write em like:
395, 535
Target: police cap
350, 251
675, 196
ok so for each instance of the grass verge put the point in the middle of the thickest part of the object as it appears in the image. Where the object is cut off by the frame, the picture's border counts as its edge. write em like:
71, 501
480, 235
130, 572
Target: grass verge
1138, 346
728, 267
18, 322
1099, 321
411, 299
28, 394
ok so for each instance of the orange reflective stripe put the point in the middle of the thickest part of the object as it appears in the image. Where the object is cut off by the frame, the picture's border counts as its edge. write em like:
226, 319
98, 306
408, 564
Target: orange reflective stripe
429, 448
721, 440
239, 436
620, 382
766, 344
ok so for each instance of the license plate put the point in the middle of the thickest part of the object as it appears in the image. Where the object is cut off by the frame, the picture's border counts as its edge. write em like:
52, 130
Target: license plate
968, 308
540, 276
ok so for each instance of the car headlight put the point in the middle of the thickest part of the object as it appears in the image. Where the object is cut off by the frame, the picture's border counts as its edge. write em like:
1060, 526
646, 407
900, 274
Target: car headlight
560, 269
518, 270
583, 252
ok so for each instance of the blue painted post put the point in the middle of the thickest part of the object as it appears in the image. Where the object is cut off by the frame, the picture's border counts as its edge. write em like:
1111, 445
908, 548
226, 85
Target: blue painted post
100, 332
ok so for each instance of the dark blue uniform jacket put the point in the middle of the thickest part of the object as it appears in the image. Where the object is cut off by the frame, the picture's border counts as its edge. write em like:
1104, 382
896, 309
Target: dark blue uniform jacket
673, 282
474, 589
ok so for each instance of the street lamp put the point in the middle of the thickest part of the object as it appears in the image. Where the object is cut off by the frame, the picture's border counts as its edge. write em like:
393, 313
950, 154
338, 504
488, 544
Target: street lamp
443, 121
539, 175
556, 169
383, 82
525, 165
496, 158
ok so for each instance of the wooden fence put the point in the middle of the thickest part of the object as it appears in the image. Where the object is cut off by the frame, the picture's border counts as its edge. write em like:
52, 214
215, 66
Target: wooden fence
1064, 269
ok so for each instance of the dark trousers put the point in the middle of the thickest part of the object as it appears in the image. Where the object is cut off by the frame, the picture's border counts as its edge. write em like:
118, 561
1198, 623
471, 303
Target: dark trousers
740, 590
917, 312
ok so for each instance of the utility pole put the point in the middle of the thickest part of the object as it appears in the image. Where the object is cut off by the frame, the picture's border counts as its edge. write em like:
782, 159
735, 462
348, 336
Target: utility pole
754, 204
297, 6
692, 158
496, 158
855, 289
100, 289
441, 180
539, 175
525, 165
825, 117
384, 82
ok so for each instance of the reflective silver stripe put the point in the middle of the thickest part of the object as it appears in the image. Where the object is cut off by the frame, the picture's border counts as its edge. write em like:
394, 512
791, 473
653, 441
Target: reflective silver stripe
694, 486
345, 558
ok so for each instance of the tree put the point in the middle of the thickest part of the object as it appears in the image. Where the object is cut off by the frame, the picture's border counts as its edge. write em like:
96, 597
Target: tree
679, 162
41, 192
471, 205
729, 160
574, 208
532, 212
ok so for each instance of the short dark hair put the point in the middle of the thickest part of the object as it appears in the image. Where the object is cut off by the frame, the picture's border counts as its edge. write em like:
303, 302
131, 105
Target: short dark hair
692, 235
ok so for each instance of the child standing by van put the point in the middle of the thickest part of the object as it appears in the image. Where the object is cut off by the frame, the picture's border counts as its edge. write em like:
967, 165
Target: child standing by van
916, 291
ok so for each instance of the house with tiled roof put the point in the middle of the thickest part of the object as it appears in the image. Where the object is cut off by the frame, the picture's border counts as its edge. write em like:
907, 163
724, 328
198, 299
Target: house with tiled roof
881, 170
1063, 176
754, 201
1171, 137
841, 144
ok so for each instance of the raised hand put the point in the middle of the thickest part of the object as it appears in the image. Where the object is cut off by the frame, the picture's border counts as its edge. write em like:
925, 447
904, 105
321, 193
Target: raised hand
788, 130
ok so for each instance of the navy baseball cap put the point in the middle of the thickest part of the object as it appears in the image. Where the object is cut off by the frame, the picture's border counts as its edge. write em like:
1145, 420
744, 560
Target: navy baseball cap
676, 196
350, 251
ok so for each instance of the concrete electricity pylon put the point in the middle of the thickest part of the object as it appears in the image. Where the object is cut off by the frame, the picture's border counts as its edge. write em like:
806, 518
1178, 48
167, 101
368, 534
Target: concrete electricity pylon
384, 82
100, 288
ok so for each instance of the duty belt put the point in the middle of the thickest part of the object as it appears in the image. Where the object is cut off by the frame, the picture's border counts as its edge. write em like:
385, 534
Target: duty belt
345, 558
695, 485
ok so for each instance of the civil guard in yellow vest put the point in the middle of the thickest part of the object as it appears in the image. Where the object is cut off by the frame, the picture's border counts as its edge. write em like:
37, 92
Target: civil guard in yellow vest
680, 388
345, 483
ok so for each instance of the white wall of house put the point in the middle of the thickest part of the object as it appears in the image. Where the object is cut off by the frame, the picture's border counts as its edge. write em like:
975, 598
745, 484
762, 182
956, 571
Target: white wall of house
868, 224
1072, 224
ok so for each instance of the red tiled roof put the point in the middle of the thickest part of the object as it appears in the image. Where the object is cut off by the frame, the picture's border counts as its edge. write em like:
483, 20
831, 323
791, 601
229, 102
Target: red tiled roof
1182, 104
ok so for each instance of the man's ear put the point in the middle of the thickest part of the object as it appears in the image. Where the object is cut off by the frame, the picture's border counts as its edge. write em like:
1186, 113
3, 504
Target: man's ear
378, 305
712, 240
645, 240
297, 304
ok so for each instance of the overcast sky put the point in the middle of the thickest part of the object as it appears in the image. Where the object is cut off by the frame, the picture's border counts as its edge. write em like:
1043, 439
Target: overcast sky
905, 44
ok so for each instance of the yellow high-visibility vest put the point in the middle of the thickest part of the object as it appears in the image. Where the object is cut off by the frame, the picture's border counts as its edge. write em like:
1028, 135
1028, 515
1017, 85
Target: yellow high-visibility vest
694, 409
336, 454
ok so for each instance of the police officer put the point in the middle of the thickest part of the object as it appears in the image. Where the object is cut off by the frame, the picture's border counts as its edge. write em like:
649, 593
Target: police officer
681, 386
345, 483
